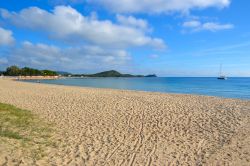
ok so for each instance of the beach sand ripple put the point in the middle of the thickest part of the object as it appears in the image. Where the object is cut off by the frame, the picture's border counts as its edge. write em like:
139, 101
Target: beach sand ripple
115, 127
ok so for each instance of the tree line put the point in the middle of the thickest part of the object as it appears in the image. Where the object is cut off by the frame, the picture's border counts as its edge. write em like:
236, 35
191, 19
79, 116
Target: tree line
26, 71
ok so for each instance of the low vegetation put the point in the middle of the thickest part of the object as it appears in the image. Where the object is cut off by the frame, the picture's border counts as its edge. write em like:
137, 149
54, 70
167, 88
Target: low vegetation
112, 73
26, 71
21, 131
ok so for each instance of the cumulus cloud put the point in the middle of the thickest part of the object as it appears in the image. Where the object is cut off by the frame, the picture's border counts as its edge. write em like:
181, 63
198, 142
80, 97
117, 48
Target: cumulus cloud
192, 24
133, 22
72, 58
67, 24
6, 37
195, 26
158, 6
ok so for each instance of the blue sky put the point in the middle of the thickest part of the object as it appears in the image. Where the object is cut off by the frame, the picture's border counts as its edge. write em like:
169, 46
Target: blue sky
166, 37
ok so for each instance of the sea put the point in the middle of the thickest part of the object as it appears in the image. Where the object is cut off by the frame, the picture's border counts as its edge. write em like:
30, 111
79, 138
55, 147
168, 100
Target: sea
231, 88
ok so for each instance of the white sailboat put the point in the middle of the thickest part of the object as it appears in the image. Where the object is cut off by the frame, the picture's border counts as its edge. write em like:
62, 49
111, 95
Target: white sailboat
221, 76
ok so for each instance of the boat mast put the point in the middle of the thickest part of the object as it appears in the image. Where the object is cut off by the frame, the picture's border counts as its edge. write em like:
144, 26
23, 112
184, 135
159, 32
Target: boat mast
220, 69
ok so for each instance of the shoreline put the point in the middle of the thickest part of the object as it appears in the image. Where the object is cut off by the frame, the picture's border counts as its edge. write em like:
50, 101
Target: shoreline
30, 77
130, 90
37, 77
170, 93
109, 126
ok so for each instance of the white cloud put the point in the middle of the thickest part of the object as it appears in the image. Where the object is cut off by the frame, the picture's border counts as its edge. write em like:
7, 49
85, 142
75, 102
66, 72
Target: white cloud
216, 26
192, 24
133, 22
67, 24
158, 6
195, 26
6, 37
72, 58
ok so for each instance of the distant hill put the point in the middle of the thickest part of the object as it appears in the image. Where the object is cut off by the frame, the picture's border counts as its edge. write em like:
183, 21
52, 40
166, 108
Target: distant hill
112, 73
151, 75
26, 71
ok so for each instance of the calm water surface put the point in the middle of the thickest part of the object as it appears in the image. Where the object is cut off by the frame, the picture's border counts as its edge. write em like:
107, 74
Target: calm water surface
231, 88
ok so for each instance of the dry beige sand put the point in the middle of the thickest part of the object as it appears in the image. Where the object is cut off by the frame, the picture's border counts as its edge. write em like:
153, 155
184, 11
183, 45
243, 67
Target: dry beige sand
115, 127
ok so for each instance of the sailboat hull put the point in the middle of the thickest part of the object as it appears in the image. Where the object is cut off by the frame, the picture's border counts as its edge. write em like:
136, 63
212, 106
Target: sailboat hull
222, 78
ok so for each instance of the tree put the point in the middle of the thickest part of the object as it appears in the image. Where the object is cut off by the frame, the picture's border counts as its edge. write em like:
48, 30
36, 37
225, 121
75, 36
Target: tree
30, 72
26, 71
48, 73
13, 71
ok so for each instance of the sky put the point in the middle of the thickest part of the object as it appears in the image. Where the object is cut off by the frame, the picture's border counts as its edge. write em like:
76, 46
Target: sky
163, 37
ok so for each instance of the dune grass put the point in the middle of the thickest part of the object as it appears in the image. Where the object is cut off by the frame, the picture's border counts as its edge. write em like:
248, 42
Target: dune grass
13, 121
21, 129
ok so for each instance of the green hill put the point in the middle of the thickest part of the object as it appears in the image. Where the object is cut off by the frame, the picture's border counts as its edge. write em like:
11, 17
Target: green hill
26, 71
112, 73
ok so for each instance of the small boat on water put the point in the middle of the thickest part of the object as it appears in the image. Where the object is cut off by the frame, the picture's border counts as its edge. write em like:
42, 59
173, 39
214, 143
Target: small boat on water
221, 77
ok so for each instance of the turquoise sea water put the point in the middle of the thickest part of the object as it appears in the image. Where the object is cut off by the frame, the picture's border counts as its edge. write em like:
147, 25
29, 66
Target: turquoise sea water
231, 88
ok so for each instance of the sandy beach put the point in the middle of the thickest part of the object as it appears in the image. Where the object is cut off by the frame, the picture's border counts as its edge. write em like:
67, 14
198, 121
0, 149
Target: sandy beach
115, 127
